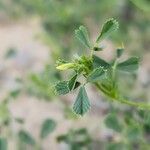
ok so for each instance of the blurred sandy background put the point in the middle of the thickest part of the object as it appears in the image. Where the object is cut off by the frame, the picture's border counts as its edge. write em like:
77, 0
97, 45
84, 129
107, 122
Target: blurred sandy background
24, 51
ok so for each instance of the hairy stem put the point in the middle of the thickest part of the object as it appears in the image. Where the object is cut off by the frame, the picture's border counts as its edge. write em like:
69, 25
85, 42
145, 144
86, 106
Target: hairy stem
102, 89
131, 103
123, 100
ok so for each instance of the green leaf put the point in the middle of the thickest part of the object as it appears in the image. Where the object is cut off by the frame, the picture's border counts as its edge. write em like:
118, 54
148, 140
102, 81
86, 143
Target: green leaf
15, 93
147, 117
48, 127
60, 62
82, 104
62, 88
62, 138
98, 62
112, 122
3, 144
120, 52
133, 133
72, 82
26, 137
11, 53
19, 120
78, 139
142, 4
82, 35
96, 75
82, 131
130, 65
4, 113
110, 26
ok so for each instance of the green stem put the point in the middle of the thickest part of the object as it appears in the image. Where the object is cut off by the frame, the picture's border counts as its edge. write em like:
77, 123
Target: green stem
131, 103
114, 72
92, 50
101, 88
123, 100
114, 68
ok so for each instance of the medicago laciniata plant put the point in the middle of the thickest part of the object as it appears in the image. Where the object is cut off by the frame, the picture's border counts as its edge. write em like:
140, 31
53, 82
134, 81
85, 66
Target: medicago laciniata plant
96, 71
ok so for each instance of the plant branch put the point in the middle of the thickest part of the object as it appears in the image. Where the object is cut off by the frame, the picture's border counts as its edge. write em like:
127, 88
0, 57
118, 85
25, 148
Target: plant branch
123, 100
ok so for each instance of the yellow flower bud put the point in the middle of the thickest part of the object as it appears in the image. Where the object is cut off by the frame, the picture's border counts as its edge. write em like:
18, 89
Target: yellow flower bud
65, 66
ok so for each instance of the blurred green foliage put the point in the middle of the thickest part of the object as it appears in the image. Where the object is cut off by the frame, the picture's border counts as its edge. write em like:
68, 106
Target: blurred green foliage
131, 127
76, 139
59, 18
3, 144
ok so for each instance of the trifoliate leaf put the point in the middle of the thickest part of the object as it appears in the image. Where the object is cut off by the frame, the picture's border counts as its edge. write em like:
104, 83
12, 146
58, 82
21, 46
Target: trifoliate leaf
96, 75
98, 62
130, 65
62, 88
65, 66
26, 137
3, 144
112, 122
48, 126
82, 35
119, 52
110, 26
82, 104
